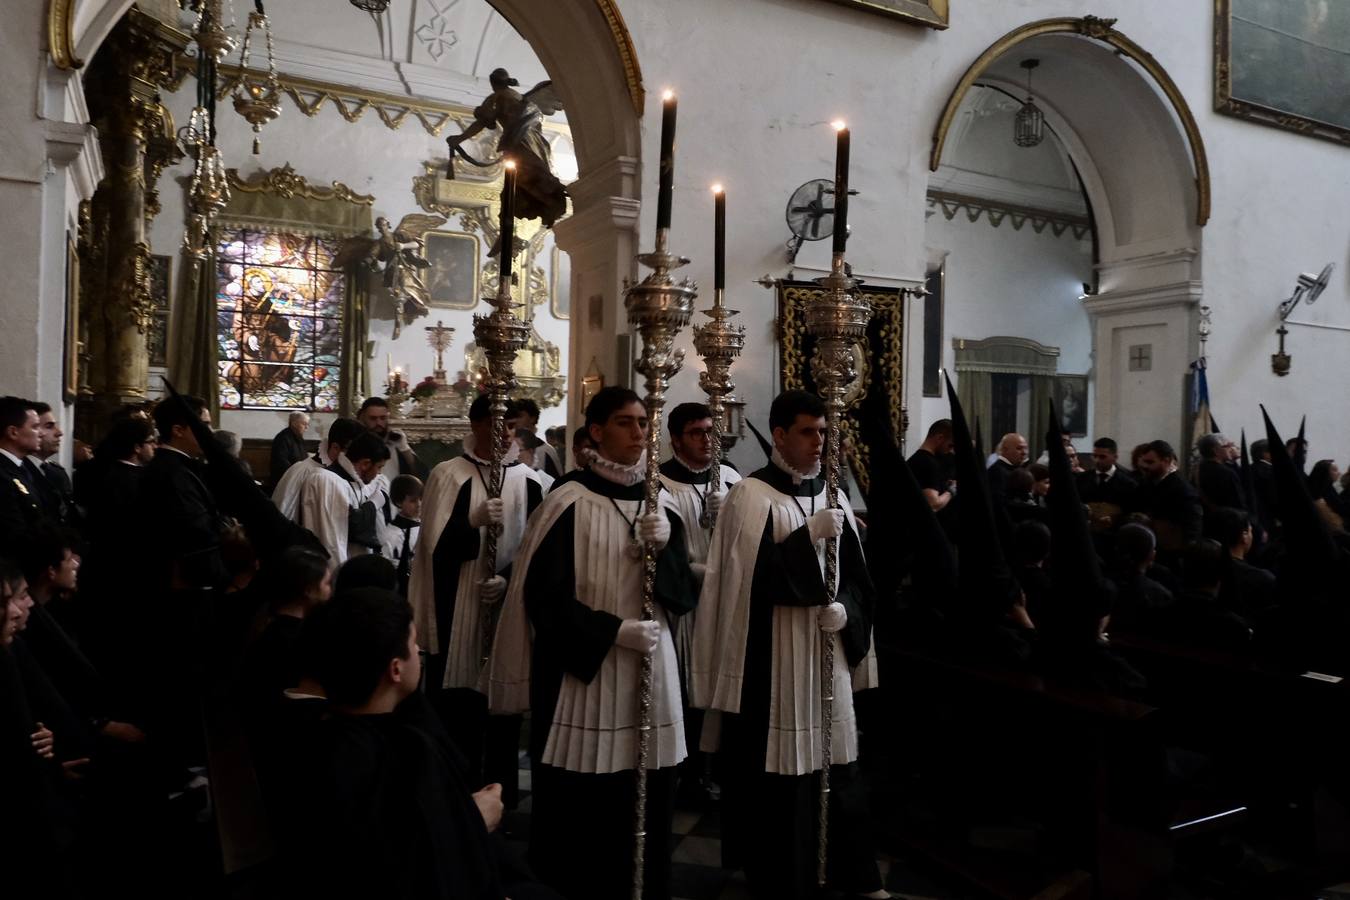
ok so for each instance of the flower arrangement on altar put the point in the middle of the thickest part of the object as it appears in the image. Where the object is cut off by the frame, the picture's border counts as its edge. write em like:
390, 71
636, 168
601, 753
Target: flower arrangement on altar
425, 389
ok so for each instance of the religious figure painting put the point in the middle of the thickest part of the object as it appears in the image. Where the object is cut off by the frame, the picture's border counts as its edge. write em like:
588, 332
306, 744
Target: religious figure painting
452, 279
1284, 63
932, 13
279, 305
1071, 402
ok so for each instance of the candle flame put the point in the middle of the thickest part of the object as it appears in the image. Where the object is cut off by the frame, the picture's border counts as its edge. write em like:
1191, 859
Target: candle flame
510, 164
717, 188
667, 95
839, 124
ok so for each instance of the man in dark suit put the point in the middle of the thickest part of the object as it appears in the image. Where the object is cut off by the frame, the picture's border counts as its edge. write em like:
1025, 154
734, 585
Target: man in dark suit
1220, 487
1106, 483
1168, 499
60, 493
1263, 480
23, 491
184, 523
1012, 454
288, 447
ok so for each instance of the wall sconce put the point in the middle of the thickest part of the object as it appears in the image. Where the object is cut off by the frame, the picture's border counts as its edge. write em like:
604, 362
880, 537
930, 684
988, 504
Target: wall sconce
1307, 289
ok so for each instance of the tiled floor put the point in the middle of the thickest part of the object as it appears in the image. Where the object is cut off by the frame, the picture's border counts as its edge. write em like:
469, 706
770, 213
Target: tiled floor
696, 871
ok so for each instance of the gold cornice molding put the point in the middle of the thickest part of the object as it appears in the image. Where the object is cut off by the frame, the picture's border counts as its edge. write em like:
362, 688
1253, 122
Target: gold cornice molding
285, 183
1101, 30
623, 45
61, 34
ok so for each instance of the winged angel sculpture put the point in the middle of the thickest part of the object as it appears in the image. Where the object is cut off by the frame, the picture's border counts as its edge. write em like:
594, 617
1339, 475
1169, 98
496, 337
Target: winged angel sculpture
539, 193
396, 255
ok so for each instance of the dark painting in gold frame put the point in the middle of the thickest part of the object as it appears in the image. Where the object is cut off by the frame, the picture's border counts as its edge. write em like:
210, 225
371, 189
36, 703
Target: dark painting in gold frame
930, 13
453, 278
1284, 63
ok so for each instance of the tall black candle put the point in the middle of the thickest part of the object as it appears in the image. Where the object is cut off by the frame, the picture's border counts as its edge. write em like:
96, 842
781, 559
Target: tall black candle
667, 175
507, 225
719, 238
840, 188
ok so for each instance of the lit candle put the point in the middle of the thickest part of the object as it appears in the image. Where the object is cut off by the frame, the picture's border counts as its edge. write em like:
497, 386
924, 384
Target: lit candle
508, 219
719, 237
667, 175
840, 187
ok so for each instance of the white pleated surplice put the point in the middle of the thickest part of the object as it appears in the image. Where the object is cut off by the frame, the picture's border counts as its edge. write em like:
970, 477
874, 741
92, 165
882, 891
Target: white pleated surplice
718, 667
438, 502
593, 728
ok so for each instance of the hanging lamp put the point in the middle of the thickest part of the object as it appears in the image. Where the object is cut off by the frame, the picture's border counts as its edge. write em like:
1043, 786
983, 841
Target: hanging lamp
1029, 123
258, 100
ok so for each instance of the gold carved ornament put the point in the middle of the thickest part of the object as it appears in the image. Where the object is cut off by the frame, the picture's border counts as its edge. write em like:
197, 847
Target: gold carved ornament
1097, 29
61, 34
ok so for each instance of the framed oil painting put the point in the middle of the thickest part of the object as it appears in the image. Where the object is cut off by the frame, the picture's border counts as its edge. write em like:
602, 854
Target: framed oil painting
1071, 402
452, 279
161, 278
931, 13
1284, 63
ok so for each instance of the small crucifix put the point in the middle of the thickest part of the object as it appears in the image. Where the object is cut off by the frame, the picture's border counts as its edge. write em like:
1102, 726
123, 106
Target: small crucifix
439, 337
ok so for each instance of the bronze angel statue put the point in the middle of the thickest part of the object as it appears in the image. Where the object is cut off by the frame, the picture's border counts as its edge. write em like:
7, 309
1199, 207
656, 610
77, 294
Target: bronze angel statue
539, 193
396, 254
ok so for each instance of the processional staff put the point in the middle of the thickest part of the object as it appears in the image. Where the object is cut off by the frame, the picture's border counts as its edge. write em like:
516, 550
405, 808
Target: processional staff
719, 343
837, 319
502, 335
658, 308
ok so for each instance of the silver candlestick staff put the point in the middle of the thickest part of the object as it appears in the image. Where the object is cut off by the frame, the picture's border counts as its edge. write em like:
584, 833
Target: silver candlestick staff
658, 308
502, 335
838, 321
719, 343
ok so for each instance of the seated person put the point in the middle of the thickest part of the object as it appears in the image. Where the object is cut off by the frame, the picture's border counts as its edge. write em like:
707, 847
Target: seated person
1031, 552
1200, 618
366, 571
1025, 498
1142, 605
1247, 590
383, 809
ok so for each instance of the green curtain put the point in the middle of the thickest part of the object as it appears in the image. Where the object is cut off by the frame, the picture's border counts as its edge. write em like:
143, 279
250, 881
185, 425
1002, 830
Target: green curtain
193, 364
976, 392
1042, 389
354, 380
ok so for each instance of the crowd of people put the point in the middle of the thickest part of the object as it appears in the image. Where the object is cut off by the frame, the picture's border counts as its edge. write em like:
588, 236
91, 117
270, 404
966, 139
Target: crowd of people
383, 637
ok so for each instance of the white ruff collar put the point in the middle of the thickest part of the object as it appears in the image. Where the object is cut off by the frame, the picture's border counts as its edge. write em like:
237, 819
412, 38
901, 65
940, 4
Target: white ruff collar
797, 477
623, 476
510, 458
679, 459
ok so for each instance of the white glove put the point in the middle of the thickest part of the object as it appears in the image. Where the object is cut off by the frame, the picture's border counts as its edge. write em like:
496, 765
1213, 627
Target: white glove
489, 513
715, 503
832, 618
638, 635
490, 590
654, 528
699, 570
825, 524
400, 440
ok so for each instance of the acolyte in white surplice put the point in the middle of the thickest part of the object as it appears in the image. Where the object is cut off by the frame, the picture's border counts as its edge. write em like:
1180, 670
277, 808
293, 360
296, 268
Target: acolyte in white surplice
555, 651
757, 646
449, 569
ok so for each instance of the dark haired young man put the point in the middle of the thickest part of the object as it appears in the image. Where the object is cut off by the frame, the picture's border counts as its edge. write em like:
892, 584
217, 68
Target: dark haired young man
23, 493
286, 492
453, 593
402, 460
578, 590
545, 457
343, 506
757, 657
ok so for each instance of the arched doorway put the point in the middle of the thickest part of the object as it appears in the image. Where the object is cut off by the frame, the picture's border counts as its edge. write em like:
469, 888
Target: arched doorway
586, 50
1141, 163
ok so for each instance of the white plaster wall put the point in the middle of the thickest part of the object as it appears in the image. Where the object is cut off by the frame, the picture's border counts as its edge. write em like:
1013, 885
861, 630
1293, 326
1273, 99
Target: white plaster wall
1002, 282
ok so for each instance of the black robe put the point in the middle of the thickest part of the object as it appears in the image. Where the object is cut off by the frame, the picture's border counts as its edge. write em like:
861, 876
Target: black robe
288, 448
769, 821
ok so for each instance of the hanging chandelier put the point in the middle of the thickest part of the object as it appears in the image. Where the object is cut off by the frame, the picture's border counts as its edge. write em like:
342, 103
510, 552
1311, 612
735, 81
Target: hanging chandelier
1029, 123
210, 31
209, 188
258, 100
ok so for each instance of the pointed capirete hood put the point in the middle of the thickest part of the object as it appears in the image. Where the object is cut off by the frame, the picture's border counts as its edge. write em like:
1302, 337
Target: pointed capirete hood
987, 587
902, 530
980, 453
1081, 595
1301, 448
1307, 539
763, 441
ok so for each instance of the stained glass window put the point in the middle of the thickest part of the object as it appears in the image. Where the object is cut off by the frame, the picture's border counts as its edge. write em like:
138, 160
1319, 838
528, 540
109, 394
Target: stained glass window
278, 321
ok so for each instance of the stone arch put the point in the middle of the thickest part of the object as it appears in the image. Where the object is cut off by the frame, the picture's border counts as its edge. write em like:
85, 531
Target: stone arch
1143, 166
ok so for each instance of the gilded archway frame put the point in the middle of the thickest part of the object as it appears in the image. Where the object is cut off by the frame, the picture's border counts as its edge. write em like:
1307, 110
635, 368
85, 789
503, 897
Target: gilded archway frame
1100, 30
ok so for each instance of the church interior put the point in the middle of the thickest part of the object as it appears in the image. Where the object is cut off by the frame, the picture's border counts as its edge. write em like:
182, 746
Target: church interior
685, 451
